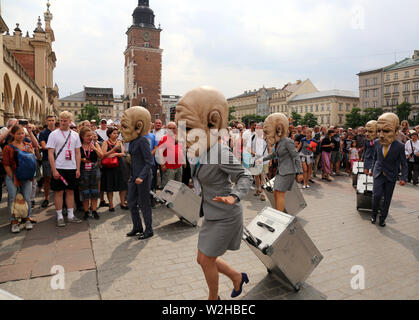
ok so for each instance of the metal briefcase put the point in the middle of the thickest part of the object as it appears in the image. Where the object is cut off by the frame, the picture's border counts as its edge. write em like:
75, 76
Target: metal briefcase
182, 201
364, 189
283, 246
294, 199
358, 168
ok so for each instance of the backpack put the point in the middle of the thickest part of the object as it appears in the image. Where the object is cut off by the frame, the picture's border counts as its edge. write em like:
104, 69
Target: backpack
26, 165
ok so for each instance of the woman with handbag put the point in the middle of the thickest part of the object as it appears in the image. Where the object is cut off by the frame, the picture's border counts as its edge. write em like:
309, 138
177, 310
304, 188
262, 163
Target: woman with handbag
89, 172
13, 162
114, 173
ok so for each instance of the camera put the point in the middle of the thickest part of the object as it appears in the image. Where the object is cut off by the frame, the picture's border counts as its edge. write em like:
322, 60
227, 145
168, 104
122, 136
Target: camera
23, 122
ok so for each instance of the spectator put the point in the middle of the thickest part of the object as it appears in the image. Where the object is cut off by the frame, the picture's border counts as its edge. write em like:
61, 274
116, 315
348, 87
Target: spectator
64, 157
360, 141
258, 148
412, 154
158, 131
93, 125
170, 152
9, 161
347, 144
102, 132
114, 179
327, 147
354, 153
46, 167
153, 147
89, 172
306, 148
336, 157
317, 153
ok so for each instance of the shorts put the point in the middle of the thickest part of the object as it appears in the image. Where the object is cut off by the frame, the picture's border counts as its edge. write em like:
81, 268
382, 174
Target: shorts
308, 159
336, 157
69, 176
46, 169
89, 184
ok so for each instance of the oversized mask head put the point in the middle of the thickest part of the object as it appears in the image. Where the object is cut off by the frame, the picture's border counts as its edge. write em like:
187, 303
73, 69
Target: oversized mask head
371, 130
275, 128
388, 126
204, 112
135, 122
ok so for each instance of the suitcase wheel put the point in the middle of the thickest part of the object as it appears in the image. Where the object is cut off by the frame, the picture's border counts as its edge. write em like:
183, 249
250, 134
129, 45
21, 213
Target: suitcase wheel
269, 271
297, 287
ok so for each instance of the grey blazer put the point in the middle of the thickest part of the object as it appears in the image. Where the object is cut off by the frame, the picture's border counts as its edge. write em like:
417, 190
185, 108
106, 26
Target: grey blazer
216, 178
289, 161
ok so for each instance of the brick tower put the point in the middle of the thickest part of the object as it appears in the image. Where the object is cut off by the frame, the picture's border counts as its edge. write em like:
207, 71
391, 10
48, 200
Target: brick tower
143, 62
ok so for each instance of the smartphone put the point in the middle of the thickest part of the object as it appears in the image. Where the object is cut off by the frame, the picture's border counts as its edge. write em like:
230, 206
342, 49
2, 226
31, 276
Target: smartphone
23, 122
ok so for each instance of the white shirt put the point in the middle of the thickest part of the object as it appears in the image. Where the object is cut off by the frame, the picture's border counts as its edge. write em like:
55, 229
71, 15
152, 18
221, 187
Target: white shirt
159, 134
408, 149
102, 134
56, 140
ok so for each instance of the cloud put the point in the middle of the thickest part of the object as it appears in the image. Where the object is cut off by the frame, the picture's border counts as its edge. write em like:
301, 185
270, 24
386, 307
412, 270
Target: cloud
230, 44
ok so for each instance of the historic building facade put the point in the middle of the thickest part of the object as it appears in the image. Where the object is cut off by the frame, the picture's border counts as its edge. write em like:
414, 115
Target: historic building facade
143, 62
389, 86
102, 98
329, 107
26, 71
169, 108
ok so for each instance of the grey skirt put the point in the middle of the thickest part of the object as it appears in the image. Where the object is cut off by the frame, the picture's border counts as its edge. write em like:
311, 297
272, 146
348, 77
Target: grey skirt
284, 183
218, 236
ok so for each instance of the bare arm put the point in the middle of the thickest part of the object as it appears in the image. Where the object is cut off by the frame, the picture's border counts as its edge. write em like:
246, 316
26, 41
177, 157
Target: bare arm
51, 158
78, 159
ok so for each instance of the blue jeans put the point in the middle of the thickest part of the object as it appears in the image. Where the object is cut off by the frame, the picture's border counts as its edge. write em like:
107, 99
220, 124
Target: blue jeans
25, 189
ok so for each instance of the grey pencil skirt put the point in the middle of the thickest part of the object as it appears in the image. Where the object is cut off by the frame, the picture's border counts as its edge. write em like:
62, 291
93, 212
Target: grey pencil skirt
218, 236
284, 183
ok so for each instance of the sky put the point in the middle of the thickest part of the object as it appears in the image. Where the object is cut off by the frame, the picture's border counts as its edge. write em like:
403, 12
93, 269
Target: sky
232, 45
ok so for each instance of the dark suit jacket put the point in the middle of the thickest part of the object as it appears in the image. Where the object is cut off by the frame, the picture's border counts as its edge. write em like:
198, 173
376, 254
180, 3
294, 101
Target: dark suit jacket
289, 161
141, 158
390, 166
369, 154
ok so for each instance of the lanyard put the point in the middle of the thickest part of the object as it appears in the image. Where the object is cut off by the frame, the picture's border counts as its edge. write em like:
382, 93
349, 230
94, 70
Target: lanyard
88, 154
69, 139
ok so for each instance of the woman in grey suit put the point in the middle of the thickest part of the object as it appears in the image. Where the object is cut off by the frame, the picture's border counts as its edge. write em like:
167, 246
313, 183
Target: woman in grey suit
205, 109
289, 163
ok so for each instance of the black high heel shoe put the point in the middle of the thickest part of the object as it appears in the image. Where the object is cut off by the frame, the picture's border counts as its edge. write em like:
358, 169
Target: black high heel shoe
245, 279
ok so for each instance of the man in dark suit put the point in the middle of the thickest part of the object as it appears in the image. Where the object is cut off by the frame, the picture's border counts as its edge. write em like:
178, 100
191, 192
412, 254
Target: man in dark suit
389, 156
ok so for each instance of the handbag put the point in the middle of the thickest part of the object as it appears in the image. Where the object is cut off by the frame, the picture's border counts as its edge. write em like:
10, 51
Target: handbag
110, 163
20, 207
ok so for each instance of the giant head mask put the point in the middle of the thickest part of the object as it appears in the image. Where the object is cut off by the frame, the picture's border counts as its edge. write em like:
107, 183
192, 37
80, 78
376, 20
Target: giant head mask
275, 128
388, 126
371, 130
135, 122
204, 110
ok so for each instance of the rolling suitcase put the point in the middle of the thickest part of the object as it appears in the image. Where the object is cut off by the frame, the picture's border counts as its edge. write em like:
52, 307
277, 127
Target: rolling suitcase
182, 201
283, 246
358, 168
294, 199
364, 190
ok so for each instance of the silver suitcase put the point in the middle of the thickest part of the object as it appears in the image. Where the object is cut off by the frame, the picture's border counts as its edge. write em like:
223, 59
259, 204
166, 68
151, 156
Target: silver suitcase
364, 189
294, 199
182, 201
283, 246
358, 168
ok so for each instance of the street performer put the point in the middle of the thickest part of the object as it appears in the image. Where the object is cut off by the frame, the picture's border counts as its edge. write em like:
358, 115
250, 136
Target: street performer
389, 156
205, 112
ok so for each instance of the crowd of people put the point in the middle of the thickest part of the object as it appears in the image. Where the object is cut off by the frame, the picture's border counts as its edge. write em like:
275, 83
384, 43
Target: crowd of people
83, 163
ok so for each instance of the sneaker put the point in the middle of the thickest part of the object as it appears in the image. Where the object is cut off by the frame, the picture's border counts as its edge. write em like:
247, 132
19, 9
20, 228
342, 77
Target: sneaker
28, 225
60, 223
304, 187
308, 187
15, 228
45, 204
74, 220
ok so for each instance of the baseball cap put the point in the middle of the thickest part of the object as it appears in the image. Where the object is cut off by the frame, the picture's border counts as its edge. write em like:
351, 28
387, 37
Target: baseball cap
103, 120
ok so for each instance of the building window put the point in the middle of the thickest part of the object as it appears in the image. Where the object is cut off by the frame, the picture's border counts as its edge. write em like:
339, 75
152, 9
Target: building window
140, 90
328, 107
416, 86
366, 104
144, 101
76, 113
395, 102
396, 76
406, 87
311, 108
306, 108
147, 44
388, 89
374, 104
387, 102
62, 104
317, 108
375, 81
388, 77
375, 92
348, 107
396, 88
157, 116
406, 74
367, 93
366, 82
322, 107
69, 104
340, 106
417, 72
406, 99
340, 119
416, 99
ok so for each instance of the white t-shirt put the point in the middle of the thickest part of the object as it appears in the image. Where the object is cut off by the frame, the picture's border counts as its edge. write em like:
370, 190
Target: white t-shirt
159, 134
56, 140
102, 134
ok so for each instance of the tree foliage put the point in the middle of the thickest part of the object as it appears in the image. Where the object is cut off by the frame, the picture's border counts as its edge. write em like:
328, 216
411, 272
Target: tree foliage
372, 114
231, 110
309, 120
354, 118
89, 112
403, 110
296, 118
253, 117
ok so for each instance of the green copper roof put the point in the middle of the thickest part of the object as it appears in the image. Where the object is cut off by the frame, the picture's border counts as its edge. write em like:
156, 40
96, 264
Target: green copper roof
406, 63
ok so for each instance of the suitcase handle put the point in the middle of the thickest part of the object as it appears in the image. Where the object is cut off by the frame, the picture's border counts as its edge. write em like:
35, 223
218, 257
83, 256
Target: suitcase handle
255, 242
169, 192
265, 226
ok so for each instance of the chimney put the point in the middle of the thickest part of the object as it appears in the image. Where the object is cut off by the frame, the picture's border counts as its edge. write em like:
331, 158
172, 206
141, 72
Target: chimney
416, 55
299, 81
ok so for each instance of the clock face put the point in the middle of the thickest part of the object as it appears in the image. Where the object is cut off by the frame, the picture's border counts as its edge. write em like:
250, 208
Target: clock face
146, 36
